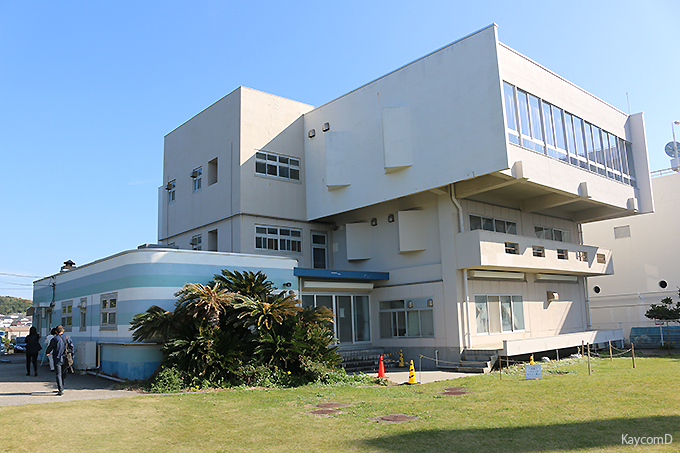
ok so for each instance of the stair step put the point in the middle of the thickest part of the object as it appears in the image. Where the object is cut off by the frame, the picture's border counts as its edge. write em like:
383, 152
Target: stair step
476, 364
468, 369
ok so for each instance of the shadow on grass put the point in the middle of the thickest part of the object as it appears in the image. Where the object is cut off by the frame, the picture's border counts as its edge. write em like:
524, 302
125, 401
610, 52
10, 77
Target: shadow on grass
557, 437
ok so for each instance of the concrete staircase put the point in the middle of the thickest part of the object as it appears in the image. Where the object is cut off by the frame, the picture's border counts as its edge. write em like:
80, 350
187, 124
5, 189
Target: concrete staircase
477, 360
360, 359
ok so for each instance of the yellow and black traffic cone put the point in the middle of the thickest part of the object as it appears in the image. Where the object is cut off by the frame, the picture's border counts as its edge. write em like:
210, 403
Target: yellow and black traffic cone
412, 375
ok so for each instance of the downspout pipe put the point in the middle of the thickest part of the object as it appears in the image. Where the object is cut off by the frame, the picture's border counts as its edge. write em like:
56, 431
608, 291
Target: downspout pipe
461, 228
585, 282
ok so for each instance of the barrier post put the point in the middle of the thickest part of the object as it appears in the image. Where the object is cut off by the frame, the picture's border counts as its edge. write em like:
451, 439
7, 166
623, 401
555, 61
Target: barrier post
500, 366
583, 349
611, 359
589, 372
632, 348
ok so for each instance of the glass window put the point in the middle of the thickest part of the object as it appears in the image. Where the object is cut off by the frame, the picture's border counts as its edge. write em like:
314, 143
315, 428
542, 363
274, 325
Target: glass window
274, 238
319, 250
415, 319
517, 313
547, 121
539, 251
197, 176
171, 190
67, 315
362, 319
562, 254
273, 164
512, 248
510, 115
506, 313
523, 112
108, 303
196, 242
481, 314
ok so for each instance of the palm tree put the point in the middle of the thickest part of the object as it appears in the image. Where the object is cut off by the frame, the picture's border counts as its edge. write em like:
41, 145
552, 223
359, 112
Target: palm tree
248, 283
204, 302
155, 324
264, 314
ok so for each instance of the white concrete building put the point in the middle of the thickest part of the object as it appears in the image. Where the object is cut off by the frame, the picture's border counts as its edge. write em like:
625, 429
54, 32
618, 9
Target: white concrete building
646, 251
435, 209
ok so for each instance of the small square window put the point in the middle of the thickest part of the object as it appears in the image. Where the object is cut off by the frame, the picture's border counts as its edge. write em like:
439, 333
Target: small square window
512, 248
562, 254
539, 251
601, 259
582, 256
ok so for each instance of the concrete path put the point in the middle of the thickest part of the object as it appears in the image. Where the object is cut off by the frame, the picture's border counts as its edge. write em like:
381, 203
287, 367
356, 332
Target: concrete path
422, 377
16, 388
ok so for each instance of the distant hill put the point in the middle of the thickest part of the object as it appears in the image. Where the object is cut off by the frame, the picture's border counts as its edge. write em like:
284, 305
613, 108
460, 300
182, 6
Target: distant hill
9, 305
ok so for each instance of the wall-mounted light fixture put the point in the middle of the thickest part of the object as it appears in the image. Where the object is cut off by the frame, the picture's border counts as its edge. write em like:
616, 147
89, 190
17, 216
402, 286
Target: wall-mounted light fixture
311, 133
374, 221
552, 296
409, 303
287, 285
194, 174
430, 303
390, 218
170, 186
326, 127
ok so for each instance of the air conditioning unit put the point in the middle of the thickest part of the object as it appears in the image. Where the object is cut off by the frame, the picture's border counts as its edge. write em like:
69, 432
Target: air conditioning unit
552, 295
85, 356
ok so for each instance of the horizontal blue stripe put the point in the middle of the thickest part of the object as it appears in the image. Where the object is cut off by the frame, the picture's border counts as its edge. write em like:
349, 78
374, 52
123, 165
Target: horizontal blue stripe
140, 275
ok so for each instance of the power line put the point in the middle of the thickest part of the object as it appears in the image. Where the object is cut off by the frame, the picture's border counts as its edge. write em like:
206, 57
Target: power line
20, 275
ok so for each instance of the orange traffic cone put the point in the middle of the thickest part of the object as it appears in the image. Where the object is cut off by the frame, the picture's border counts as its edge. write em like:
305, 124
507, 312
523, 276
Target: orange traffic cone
381, 368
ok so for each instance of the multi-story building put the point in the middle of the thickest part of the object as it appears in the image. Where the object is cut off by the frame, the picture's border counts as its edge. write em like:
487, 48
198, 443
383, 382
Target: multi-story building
437, 208
646, 254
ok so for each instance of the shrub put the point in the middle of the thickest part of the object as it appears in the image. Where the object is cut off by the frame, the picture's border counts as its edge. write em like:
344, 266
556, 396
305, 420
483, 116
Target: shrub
169, 380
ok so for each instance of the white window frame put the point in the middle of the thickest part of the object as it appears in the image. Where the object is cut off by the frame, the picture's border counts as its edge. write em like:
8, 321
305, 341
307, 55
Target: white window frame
318, 246
171, 192
108, 304
400, 309
83, 313
275, 165
311, 300
483, 299
67, 315
498, 225
197, 179
278, 238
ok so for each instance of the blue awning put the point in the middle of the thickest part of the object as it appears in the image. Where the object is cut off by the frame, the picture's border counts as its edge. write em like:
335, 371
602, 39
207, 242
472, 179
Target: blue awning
340, 275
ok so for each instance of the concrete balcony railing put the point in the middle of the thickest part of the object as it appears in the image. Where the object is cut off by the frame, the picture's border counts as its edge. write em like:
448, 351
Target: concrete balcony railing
480, 249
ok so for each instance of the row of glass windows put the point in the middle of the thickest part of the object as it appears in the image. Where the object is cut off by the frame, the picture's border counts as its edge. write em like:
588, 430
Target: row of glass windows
272, 164
274, 238
108, 311
509, 227
545, 128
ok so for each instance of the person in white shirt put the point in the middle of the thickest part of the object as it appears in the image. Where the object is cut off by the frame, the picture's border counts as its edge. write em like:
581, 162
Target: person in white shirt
50, 359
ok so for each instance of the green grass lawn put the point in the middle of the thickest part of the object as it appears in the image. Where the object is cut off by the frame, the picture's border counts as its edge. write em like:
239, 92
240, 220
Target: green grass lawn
567, 410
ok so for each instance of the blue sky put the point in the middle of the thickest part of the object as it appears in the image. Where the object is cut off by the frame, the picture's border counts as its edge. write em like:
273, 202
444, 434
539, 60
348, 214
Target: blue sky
89, 89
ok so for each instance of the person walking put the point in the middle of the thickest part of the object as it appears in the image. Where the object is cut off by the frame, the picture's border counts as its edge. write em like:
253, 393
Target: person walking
32, 349
48, 339
58, 348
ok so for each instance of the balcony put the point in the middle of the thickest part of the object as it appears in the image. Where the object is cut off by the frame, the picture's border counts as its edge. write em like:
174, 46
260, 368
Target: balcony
480, 249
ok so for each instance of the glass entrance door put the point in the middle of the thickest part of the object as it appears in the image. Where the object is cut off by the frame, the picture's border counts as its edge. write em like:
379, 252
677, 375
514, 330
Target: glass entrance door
351, 322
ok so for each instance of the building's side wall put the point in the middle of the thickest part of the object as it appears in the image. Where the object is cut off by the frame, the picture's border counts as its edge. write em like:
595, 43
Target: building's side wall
212, 134
272, 124
645, 253
137, 280
422, 126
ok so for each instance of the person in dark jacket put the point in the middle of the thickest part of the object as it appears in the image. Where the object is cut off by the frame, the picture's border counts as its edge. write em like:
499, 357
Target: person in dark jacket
58, 347
32, 349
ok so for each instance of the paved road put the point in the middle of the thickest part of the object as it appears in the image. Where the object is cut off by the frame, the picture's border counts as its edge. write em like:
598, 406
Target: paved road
16, 388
